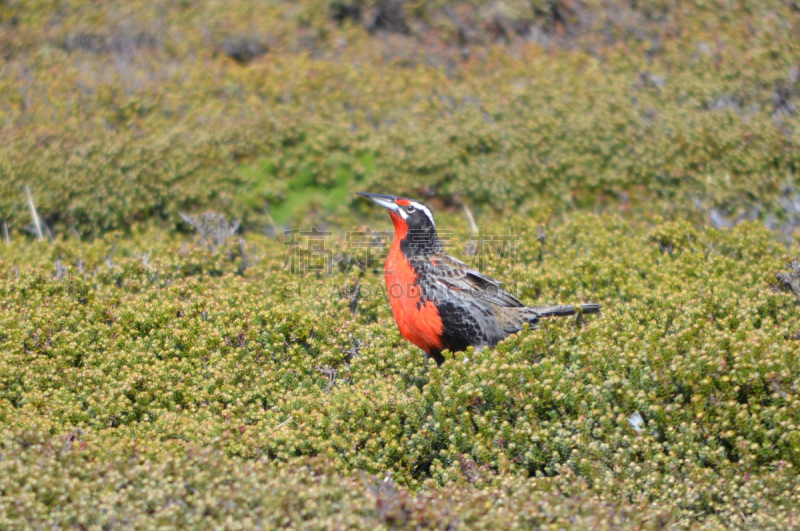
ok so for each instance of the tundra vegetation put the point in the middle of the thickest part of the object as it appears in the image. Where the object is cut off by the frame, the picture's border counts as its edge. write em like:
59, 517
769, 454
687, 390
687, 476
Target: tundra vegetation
168, 357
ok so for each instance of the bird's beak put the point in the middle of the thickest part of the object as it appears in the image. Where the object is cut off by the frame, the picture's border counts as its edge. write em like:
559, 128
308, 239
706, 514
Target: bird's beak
386, 201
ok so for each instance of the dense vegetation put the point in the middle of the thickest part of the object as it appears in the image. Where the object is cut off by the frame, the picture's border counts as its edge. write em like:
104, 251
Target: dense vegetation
162, 366
132, 113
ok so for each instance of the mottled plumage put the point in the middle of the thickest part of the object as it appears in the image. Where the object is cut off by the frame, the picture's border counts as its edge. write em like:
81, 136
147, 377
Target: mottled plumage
438, 301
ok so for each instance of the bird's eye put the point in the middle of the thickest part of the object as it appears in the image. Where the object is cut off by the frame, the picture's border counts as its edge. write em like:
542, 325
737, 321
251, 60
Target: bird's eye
410, 209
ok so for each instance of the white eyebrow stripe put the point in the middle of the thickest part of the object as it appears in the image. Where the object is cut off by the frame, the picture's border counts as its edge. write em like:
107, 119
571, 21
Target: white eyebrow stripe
425, 209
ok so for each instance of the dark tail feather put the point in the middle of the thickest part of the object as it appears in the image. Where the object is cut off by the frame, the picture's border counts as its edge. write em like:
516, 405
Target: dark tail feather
565, 310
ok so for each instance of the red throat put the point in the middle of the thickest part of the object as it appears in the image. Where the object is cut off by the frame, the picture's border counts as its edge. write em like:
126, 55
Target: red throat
400, 226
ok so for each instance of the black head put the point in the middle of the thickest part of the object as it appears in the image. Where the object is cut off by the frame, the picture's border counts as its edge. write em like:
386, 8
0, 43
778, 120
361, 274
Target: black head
413, 222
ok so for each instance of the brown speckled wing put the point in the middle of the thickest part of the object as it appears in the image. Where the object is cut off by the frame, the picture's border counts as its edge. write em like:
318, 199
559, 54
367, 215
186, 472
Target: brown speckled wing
460, 279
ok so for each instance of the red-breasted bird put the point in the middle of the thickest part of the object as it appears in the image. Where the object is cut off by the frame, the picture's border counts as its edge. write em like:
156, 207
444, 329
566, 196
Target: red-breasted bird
438, 301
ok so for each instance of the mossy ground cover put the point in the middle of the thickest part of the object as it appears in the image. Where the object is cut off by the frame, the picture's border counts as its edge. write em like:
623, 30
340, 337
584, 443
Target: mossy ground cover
643, 153
145, 374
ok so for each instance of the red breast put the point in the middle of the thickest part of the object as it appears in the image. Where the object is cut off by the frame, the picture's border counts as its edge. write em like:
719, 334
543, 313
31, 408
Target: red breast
419, 323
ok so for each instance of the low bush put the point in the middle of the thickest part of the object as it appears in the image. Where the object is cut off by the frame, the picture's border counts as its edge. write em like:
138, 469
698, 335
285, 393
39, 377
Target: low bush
688, 113
168, 360
163, 353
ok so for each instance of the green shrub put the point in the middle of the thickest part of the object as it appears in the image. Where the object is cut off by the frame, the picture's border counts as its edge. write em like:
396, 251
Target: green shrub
687, 113
153, 377
187, 350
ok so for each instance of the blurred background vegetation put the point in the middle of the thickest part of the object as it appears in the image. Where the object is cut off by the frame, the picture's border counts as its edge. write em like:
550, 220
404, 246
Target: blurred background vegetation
161, 367
118, 114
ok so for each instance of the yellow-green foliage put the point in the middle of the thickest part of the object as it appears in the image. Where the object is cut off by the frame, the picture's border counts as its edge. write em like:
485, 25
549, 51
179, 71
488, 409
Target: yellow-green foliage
152, 379
132, 112
205, 489
155, 359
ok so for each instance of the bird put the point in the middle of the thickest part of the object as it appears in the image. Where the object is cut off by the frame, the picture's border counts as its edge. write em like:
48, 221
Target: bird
440, 303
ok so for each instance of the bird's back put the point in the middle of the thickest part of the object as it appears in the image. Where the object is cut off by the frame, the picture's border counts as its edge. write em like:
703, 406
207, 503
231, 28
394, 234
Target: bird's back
474, 308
